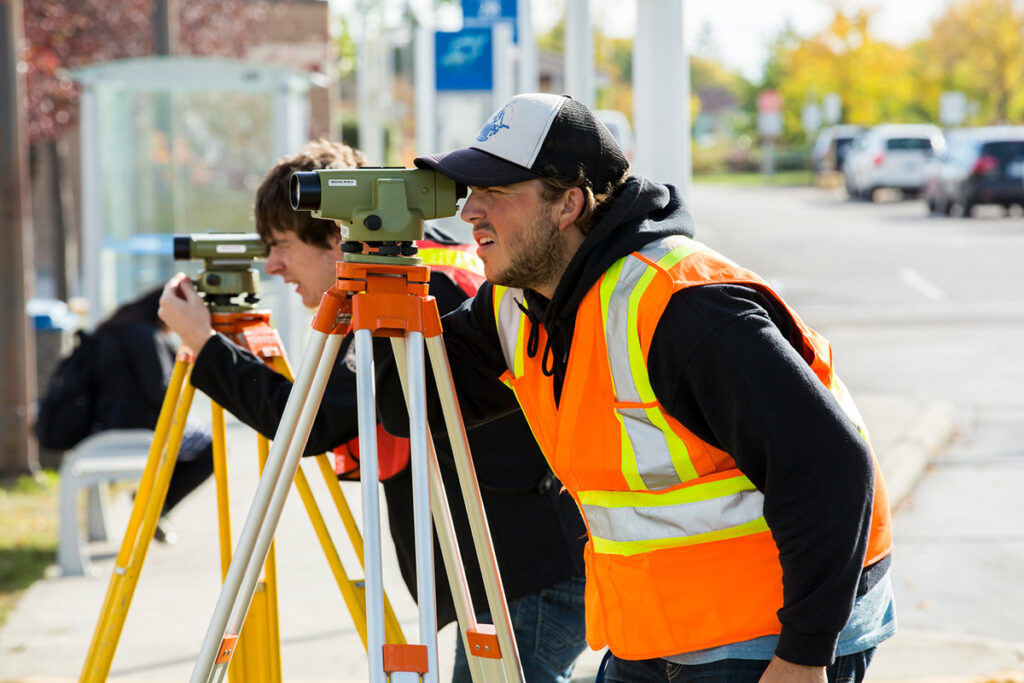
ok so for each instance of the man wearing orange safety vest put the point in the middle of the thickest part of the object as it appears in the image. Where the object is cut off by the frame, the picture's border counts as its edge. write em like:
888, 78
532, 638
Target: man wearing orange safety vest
738, 525
538, 535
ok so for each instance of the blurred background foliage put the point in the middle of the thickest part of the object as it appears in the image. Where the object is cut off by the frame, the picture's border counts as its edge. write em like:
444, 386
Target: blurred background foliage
975, 47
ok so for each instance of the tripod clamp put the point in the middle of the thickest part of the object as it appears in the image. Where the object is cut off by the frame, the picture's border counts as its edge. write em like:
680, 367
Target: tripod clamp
388, 300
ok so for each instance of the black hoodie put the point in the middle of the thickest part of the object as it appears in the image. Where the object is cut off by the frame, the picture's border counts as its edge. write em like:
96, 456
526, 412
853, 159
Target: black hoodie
724, 362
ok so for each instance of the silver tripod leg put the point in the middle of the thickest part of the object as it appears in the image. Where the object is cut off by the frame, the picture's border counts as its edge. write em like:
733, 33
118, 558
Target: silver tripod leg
424, 532
265, 511
368, 475
446, 537
455, 428
415, 384
509, 667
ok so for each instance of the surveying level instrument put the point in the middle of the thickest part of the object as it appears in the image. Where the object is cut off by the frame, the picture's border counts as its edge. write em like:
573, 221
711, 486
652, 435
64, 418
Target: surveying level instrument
230, 286
381, 290
227, 272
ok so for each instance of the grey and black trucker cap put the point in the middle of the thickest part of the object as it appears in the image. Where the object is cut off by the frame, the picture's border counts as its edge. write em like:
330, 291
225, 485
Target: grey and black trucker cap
533, 136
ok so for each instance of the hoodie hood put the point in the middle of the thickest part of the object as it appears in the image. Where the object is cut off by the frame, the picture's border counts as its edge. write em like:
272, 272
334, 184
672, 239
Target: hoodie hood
643, 211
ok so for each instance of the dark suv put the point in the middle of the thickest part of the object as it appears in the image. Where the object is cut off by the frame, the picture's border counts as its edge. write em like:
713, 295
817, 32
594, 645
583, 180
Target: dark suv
980, 166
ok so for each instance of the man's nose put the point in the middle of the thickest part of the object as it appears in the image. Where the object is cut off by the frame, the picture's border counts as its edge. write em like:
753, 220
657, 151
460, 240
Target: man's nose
472, 209
274, 265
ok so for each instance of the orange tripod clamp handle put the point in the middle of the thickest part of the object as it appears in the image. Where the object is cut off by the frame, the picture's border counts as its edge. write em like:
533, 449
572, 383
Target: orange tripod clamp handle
250, 330
388, 300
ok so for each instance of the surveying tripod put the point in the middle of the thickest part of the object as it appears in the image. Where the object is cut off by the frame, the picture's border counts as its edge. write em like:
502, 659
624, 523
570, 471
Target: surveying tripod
260, 659
381, 293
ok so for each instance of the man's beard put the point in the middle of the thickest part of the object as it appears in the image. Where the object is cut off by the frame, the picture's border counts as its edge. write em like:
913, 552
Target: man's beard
538, 260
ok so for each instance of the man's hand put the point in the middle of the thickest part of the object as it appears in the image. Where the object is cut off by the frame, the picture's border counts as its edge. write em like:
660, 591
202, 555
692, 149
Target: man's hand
781, 671
184, 312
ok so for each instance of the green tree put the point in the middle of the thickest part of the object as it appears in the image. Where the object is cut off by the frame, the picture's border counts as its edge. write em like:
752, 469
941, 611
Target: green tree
976, 47
874, 78
614, 57
59, 38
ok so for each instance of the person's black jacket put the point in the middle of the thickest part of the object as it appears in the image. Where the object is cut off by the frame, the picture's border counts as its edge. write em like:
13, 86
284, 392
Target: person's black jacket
537, 531
723, 363
133, 365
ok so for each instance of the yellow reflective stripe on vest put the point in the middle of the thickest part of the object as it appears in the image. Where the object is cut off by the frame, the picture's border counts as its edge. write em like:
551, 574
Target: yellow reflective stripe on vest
653, 457
633, 522
452, 257
672, 250
511, 324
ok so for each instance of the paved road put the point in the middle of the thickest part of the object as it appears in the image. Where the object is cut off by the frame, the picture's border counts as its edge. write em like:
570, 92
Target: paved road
930, 308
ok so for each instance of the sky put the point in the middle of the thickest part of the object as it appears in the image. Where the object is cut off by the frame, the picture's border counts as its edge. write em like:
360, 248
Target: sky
742, 29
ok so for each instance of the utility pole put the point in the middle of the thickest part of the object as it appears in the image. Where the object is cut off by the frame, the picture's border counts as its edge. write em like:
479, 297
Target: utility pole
18, 449
661, 94
579, 52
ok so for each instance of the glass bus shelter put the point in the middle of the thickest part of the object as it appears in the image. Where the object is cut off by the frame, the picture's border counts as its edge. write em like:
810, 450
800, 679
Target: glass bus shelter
176, 145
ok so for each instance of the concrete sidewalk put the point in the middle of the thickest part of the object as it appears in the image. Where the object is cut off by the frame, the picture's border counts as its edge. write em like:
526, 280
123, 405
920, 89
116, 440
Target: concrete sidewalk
47, 637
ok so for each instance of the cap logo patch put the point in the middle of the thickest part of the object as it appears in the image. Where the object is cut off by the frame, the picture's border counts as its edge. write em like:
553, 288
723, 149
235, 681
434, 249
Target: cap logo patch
493, 125
516, 132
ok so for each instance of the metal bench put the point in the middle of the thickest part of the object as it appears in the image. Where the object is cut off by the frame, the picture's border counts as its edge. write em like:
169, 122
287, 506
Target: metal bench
113, 455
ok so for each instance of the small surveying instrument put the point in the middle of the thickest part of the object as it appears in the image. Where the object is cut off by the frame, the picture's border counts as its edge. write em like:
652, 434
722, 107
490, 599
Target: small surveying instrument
229, 285
227, 272
381, 290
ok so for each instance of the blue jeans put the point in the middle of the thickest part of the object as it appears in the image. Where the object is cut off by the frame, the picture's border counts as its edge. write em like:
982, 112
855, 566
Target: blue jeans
848, 669
550, 633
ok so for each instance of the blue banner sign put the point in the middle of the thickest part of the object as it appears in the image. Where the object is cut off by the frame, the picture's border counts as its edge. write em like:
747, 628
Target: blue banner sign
464, 59
486, 12
481, 13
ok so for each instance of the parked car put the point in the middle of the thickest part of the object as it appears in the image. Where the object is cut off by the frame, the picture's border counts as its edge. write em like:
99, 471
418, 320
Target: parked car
892, 155
978, 166
829, 151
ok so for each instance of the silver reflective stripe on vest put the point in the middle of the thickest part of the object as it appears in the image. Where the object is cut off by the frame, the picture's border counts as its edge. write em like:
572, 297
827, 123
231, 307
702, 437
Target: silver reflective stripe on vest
650, 449
659, 249
618, 329
672, 523
648, 441
509, 318
633, 530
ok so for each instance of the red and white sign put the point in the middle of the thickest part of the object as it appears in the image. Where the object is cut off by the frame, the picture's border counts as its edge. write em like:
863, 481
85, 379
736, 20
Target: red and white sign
769, 113
769, 102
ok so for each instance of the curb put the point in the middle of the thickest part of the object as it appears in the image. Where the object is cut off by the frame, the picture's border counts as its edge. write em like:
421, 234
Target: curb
904, 462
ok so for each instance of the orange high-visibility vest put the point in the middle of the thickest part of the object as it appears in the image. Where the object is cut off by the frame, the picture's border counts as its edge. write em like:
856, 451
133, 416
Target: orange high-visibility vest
459, 262
680, 557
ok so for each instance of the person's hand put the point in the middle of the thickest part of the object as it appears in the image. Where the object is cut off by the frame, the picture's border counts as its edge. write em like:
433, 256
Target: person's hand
781, 671
185, 313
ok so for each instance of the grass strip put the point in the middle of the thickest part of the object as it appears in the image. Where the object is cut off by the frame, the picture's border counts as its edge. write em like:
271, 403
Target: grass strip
28, 534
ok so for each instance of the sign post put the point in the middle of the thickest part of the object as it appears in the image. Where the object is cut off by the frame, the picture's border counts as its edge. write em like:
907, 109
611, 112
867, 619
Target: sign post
952, 108
833, 104
769, 125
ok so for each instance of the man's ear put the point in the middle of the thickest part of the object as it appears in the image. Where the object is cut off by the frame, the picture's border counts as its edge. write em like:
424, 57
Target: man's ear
572, 207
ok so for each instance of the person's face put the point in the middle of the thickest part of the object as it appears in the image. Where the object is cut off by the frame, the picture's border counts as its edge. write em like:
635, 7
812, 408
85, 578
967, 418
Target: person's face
312, 269
517, 235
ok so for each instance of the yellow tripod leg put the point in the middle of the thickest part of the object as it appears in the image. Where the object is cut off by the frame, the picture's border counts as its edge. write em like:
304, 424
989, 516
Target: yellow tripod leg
258, 657
273, 624
220, 477
353, 595
149, 501
392, 628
